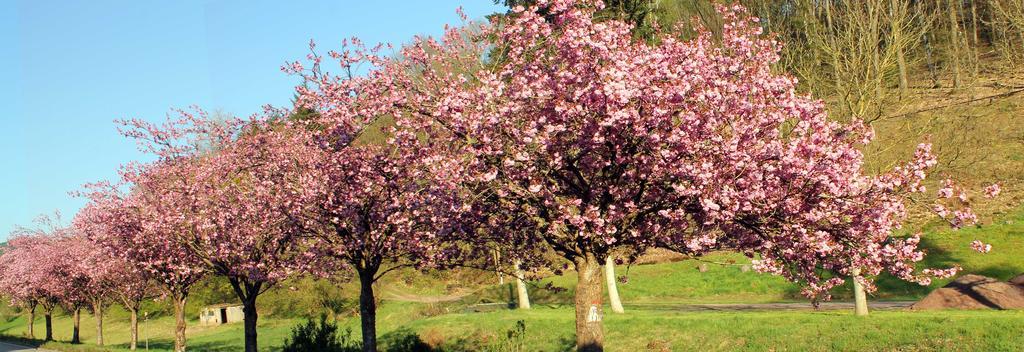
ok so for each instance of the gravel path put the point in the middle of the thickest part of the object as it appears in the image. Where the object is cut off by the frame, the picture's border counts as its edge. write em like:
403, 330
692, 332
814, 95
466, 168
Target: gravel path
398, 295
876, 305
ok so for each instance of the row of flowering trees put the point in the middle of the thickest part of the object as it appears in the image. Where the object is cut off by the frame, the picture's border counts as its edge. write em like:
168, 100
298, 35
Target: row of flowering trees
55, 266
541, 132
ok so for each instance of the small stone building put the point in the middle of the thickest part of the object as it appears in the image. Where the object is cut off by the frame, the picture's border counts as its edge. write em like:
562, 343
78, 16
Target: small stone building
221, 314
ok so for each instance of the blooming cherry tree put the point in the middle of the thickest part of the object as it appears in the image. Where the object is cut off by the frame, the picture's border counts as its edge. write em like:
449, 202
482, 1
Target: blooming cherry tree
378, 208
43, 266
152, 225
23, 277
608, 144
227, 197
111, 276
149, 220
387, 189
249, 213
80, 283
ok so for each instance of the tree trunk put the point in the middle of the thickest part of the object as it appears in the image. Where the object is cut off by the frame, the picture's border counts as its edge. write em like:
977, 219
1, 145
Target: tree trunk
247, 292
368, 310
249, 308
49, 325
613, 289
74, 332
589, 329
836, 70
97, 308
1020, 35
134, 328
860, 298
974, 22
901, 62
31, 321
926, 40
954, 34
977, 44
521, 292
876, 61
931, 62
179, 322
898, 36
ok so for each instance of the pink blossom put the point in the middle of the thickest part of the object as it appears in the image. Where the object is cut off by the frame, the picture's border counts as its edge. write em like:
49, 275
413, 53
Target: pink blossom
992, 191
943, 273
964, 217
947, 189
981, 247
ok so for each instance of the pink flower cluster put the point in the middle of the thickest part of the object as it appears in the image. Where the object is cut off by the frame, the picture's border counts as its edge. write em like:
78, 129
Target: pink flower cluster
992, 191
981, 247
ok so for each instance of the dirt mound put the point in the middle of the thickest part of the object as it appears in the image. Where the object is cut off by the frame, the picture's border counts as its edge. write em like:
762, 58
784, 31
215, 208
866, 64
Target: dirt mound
659, 256
974, 292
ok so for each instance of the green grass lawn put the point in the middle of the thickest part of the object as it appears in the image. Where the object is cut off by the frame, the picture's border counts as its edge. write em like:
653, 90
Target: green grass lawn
551, 329
158, 331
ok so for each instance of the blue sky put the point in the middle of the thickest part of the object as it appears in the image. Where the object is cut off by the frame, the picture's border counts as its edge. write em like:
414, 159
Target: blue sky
69, 68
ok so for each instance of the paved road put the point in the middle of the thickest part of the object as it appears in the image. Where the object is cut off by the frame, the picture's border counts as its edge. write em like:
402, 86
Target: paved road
10, 347
737, 307
398, 295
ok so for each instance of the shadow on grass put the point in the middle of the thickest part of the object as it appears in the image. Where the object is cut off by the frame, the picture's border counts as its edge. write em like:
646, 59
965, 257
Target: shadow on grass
1000, 272
403, 340
567, 343
891, 287
935, 257
406, 340
20, 340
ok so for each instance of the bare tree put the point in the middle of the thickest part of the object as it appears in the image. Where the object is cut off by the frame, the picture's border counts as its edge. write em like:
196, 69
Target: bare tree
1008, 25
866, 44
901, 24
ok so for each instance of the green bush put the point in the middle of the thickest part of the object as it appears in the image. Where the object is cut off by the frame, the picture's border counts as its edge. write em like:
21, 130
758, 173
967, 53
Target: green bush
513, 341
320, 336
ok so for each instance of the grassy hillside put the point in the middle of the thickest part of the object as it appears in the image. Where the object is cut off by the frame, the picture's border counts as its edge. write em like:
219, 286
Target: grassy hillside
978, 140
